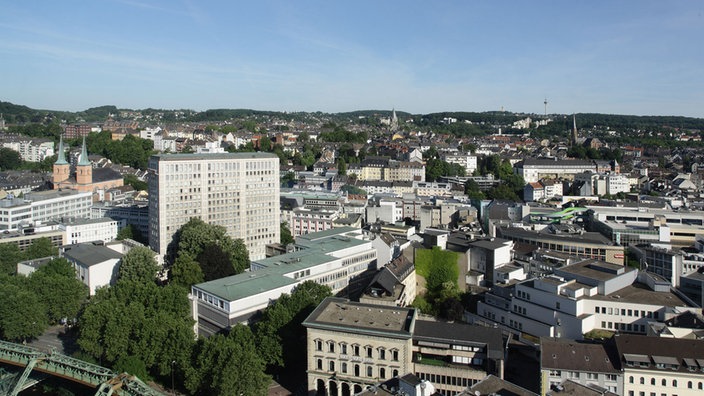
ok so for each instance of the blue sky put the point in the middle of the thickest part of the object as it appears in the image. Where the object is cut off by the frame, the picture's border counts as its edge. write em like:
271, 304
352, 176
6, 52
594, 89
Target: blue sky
619, 57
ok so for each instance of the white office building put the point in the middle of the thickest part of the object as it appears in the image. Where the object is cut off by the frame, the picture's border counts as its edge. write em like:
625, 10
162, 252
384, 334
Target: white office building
39, 207
239, 191
90, 230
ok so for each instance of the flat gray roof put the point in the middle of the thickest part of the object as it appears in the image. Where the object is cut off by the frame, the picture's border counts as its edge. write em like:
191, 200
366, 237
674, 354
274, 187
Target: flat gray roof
88, 254
339, 314
640, 294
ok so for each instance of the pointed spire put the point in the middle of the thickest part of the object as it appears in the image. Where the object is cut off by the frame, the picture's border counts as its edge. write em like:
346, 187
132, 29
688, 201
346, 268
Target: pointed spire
83, 159
61, 160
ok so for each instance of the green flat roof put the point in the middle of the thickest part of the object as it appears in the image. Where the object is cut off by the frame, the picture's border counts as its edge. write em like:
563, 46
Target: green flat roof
236, 287
315, 252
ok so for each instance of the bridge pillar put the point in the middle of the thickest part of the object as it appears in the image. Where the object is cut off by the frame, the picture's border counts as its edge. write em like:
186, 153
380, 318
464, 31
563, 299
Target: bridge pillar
25, 374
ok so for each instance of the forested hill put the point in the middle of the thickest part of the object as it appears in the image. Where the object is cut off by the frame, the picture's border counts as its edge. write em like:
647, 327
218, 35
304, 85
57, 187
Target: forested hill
19, 114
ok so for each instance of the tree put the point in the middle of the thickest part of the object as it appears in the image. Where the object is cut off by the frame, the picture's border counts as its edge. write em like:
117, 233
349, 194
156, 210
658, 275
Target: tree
195, 236
9, 159
227, 365
215, 263
10, 255
186, 271
280, 336
58, 266
62, 295
41, 247
265, 143
471, 188
137, 184
132, 365
138, 265
131, 232
239, 255
286, 236
341, 167
22, 314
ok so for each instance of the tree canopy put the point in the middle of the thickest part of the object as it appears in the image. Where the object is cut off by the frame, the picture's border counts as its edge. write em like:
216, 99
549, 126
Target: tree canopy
217, 253
138, 265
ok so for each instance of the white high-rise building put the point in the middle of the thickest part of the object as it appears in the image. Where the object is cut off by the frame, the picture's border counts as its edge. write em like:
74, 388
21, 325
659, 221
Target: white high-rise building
239, 191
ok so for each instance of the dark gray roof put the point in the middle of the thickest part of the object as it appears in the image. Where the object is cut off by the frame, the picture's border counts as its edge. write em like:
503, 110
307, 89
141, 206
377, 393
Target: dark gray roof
385, 280
493, 385
490, 244
571, 388
105, 174
88, 254
682, 350
461, 334
564, 354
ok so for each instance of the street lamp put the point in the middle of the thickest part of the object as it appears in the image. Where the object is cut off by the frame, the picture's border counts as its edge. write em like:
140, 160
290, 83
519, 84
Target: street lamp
173, 390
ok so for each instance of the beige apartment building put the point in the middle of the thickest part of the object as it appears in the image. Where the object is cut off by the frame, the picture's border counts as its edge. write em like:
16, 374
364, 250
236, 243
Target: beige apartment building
239, 191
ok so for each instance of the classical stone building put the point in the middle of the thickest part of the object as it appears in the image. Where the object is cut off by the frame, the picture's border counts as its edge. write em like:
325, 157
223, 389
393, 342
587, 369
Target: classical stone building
353, 345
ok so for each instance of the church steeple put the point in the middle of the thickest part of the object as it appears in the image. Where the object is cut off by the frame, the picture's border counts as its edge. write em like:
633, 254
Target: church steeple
61, 166
61, 160
84, 169
83, 159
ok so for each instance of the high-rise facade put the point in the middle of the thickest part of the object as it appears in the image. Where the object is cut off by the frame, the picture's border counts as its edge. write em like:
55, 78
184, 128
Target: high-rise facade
239, 191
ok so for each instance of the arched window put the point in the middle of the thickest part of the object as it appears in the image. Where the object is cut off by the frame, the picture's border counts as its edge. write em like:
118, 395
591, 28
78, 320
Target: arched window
370, 371
700, 386
689, 384
664, 382
356, 370
382, 373
344, 367
674, 383
652, 381
642, 380
630, 379
331, 365
394, 373
320, 364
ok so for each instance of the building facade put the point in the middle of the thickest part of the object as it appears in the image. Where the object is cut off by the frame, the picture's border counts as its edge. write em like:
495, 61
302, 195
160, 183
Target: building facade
339, 258
43, 206
353, 345
239, 191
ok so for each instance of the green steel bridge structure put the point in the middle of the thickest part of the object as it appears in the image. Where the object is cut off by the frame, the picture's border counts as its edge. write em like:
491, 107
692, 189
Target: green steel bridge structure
35, 365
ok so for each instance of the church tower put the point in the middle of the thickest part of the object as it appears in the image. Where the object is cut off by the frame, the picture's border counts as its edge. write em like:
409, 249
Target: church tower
394, 120
574, 130
84, 170
61, 167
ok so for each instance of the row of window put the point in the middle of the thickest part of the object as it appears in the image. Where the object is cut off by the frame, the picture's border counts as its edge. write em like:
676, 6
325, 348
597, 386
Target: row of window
589, 376
626, 312
663, 382
438, 379
356, 369
623, 326
355, 349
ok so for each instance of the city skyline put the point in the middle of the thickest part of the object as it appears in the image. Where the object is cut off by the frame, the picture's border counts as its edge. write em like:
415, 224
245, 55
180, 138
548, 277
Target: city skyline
628, 57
